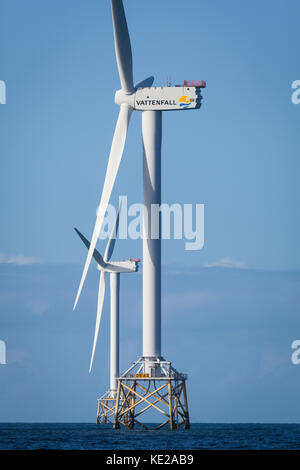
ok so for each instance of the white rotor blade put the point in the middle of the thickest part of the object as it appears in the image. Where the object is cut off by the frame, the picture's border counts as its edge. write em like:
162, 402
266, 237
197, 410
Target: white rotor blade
122, 46
101, 293
115, 156
147, 82
112, 238
96, 254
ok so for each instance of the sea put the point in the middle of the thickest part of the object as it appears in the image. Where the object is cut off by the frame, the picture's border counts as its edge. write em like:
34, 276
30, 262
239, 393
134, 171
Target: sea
83, 436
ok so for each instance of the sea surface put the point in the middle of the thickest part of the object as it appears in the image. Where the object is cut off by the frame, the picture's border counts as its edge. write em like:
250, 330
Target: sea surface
201, 436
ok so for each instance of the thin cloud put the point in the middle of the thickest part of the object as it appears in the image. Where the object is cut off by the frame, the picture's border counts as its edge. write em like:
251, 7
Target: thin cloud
19, 260
38, 306
191, 300
227, 262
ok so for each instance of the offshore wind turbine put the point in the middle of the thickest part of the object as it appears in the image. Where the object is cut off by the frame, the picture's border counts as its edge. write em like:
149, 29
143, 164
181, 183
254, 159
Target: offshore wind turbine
114, 268
151, 101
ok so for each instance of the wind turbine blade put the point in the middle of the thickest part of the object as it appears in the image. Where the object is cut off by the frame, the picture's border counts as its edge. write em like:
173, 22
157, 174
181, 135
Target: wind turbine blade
115, 156
122, 46
101, 293
112, 238
144, 83
96, 254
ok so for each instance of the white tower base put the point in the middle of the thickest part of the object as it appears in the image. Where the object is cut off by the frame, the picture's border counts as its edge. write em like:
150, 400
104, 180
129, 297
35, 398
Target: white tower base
107, 402
114, 330
151, 132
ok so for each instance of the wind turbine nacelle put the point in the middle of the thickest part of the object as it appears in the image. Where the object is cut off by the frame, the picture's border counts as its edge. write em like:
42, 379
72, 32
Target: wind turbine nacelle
129, 266
167, 98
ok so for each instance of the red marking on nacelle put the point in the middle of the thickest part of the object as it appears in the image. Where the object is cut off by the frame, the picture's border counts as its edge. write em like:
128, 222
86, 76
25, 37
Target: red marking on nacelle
135, 260
199, 83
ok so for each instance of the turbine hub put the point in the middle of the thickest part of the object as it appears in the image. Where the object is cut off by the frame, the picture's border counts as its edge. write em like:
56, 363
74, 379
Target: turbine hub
122, 97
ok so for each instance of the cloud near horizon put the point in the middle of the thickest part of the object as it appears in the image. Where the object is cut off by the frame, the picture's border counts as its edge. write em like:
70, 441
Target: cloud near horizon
227, 262
235, 326
19, 260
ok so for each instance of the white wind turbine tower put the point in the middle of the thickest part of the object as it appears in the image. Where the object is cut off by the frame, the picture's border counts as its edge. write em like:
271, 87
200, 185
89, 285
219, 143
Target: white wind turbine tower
107, 402
151, 101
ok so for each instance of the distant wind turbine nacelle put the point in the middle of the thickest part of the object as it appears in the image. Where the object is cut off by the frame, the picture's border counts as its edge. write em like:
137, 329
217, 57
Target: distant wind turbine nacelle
129, 266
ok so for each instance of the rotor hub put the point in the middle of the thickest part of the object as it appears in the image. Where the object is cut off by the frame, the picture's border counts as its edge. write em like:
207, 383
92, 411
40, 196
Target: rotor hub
122, 97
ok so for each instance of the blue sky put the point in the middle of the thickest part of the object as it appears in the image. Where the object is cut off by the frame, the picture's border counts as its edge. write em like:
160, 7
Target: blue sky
238, 154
